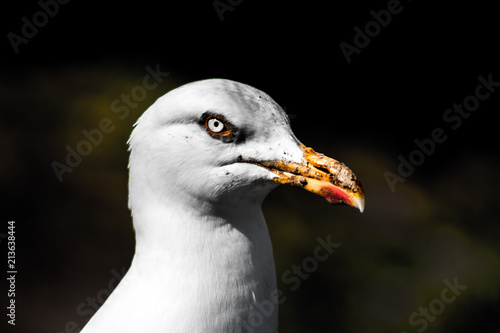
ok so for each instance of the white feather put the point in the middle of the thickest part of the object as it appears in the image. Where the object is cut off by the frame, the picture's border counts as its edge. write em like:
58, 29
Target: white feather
203, 255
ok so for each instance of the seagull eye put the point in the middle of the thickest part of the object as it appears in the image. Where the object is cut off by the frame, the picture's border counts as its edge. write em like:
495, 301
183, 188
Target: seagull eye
216, 125
219, 128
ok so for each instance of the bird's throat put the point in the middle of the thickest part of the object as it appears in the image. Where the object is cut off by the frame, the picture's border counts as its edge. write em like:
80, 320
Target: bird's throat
197, 272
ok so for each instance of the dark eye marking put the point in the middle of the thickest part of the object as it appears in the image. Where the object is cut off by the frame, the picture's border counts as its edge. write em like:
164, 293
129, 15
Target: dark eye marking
218, 127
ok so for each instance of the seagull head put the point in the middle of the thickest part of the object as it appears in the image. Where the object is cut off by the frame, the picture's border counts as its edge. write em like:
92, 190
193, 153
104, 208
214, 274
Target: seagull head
217, 140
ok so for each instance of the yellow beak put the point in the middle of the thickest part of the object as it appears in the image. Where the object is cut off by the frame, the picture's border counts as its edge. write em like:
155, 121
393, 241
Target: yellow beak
322, 175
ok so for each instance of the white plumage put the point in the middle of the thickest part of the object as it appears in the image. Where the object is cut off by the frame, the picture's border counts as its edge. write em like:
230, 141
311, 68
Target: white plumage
202, 159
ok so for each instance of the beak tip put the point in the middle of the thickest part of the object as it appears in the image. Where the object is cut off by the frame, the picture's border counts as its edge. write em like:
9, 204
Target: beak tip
359, 203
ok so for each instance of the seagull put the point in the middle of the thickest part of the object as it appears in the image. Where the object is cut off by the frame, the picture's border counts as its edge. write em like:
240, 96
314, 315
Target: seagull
202, 159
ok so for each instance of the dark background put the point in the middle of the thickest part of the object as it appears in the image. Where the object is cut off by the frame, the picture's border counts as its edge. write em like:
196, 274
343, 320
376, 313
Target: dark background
72, 237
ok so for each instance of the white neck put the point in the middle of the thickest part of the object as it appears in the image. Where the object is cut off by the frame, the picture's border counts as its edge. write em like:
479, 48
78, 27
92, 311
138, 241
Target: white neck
194, 270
